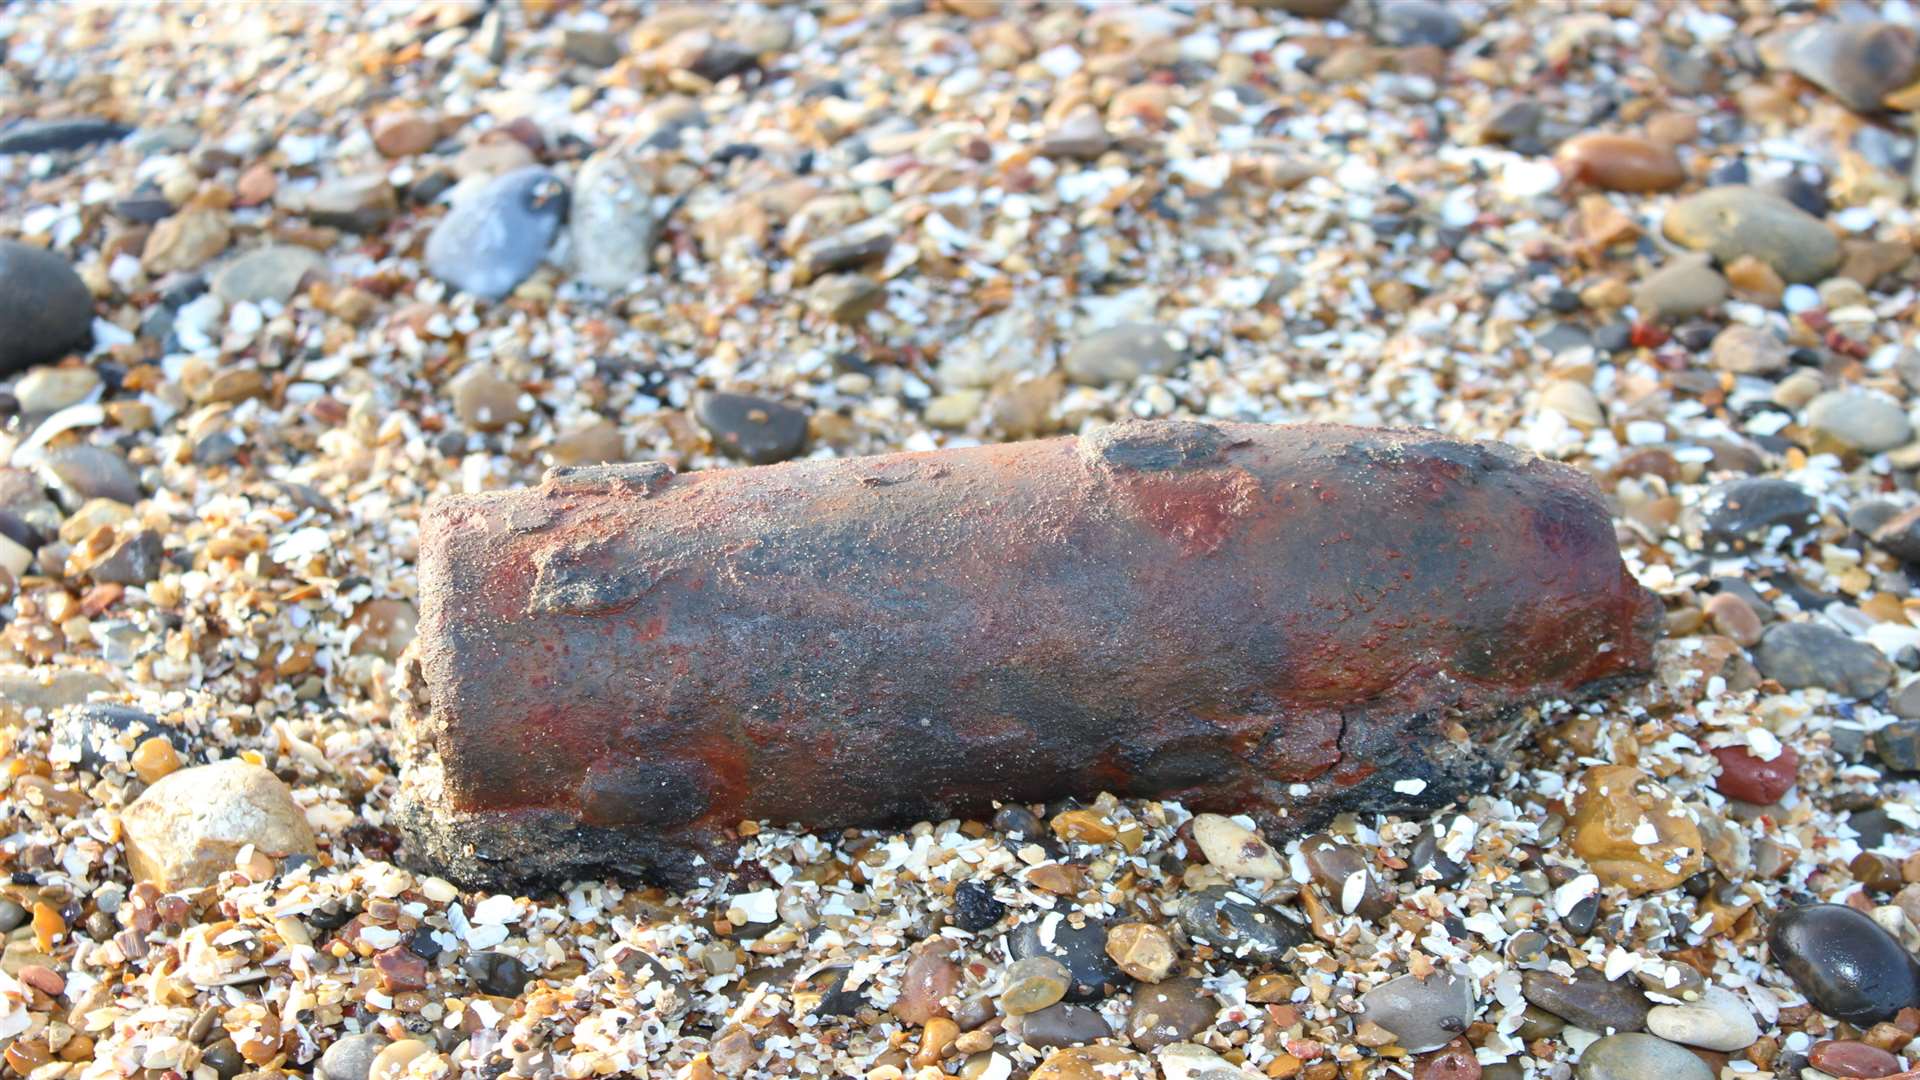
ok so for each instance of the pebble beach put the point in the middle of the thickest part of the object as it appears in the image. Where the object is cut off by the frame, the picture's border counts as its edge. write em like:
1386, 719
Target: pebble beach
274, 275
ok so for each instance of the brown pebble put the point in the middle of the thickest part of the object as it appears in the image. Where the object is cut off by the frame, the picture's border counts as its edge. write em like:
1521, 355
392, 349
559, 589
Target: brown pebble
1851, 1059
929, 980
403, 134
1734, 617
1620, 162
1454, 1061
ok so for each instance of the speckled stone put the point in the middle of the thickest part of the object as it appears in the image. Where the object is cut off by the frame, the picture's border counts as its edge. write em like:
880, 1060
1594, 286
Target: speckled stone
1423, 1014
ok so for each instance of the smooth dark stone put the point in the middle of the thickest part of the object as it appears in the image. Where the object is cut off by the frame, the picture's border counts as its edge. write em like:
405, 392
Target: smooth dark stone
1844, 963
44, 136
144, 207
1419, 22
1898, 745
1800, 655
46, 311
1238, 927
1082, 949
1428, 856
1588, 1000
496, 973
1170, 1012
95, 472
1059, 1025
757, 429
1742, 514
12, 916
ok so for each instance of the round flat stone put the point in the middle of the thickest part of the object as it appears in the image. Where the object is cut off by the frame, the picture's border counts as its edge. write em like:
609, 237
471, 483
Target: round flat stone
1750, 514
1866, 420
1237, 926
757, 429
1423, 1014
493, 239
1853, 1059
1720, 1021
1740, 221
1750, 778
1059, 1025
1170, 1012
1634, 1056
1799, 655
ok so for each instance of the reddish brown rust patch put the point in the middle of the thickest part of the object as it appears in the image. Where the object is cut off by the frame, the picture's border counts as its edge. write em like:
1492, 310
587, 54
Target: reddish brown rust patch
616, 668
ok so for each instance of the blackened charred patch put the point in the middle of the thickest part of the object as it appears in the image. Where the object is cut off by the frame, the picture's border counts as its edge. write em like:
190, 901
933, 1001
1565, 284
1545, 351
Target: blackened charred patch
657, 794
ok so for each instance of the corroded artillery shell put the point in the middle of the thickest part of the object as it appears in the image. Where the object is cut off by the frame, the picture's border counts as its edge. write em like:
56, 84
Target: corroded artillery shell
616, 668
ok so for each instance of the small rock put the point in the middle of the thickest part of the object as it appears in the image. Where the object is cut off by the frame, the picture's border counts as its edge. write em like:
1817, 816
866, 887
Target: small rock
493, 239
1866, 420
404, 133
1083, 949
46, 311
1718, 1021
613, 226
1143, 950
359, 204
1220, 918
1423, 1014
1734, 221
47, 136
594, 48
1093, 1063
845, 298
974, 908
50, 389
855, 247
184, 831
1735, 618
1620, 162
135, 560
1454, 1061
269, 273
386, 627
1081, 134
1852, 1059
755, 429
1752, 779
1407, 23
1858, 62
1588, 1000
1122, 354
1632, 831
351, 1057
94, 472
497, 973
1170, 1012
1800, 655
1342, 874
12, 916
1748, 350
1575, 401
486, 402
1898, 535
1428, 863
1755, 513
1844, 963
94, 735
1059, 1025
185, 241
1897, 745
1681, 289
1236, 850
1633, 1056
930, 979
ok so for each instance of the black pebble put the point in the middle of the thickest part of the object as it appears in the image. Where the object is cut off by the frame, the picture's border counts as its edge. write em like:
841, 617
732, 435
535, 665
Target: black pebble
1579, 921
496, 973
974, 908
1082, 949
1844, 963
422, 945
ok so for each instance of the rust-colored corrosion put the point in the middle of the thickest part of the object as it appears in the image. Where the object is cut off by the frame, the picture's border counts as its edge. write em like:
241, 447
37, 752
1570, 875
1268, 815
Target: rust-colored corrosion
616, 668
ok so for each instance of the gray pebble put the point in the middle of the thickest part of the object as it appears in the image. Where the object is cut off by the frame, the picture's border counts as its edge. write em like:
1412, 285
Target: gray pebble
1423, 1014
1866, 420
1121, 354
95, 472
351, 1057
1805, 654
493, 239
1718, 1021
1059, 1025
1743, 515
1633, 1056
1221, 918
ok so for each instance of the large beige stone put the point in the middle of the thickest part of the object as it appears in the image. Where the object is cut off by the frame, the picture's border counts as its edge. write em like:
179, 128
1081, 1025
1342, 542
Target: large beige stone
188, 828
